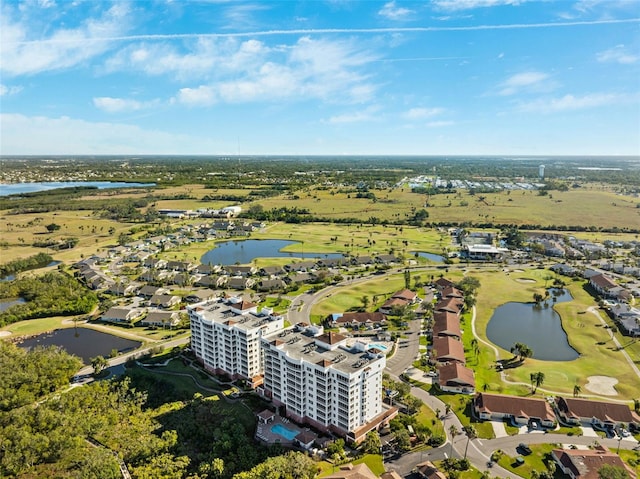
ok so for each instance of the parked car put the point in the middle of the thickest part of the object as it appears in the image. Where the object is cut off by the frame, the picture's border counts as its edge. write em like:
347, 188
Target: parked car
524, 449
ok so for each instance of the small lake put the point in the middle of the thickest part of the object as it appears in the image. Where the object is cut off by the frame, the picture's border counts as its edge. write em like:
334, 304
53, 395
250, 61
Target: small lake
435, 258
245, 251
538, 327
19, 188
83, 342
7, 303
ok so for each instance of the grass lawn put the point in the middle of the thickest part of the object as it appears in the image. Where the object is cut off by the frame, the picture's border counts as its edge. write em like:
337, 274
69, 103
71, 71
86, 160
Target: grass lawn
377, 288
461, 407
585, 333
36, 326
279, 305
632, 459
533, 462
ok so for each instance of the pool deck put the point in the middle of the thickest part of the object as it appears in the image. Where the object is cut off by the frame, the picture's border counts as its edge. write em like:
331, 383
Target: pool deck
264, 434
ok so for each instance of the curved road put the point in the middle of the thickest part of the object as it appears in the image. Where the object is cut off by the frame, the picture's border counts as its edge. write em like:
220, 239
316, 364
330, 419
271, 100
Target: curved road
479, 450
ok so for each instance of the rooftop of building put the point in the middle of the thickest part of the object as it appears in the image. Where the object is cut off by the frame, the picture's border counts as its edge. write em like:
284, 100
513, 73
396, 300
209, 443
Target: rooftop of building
331, 350
232, 312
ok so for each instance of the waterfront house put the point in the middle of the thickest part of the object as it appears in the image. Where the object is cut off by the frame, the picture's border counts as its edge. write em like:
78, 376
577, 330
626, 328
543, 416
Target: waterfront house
161, 319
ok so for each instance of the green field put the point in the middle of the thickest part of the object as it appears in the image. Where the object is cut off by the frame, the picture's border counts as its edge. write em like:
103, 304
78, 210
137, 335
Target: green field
598, 356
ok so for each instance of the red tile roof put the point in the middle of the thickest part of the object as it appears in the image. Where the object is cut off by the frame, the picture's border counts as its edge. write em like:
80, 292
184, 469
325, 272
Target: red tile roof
604, 411
452, 292
455, 374
603, 282
514, 405
442, 283
585, 463
448, 349
453, 305
406, 294
446, 324
331, 338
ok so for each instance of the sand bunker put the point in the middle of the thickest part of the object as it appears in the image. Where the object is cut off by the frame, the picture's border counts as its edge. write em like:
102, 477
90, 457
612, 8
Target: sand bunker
525, 280
518, 271
602, 385
5, 333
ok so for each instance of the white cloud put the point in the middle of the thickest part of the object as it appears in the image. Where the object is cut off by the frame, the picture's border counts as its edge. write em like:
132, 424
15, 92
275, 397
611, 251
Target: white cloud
571, 103
421, 113
118, 105
201, 96
49, 136
368, 114
525, 82
453, 5
393, 12
21, 54
439, 124
9, 90
331, 70
617, 54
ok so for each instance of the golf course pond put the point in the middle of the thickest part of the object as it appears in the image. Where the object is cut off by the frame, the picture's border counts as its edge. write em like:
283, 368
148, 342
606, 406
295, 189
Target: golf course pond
83, 342
536, 325
245, 251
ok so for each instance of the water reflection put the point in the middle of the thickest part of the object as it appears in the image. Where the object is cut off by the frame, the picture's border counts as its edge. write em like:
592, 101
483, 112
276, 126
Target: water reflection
537, 326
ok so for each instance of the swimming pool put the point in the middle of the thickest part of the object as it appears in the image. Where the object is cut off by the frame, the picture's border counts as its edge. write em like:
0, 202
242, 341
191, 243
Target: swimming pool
381, 347
280, 430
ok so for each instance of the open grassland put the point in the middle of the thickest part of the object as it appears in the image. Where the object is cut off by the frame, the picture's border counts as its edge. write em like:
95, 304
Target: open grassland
598, 355
580, 207
19, 232
576, 207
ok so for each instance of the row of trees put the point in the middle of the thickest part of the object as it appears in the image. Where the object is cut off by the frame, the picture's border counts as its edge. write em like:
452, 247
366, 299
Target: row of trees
39, 260
45, 433
52, 294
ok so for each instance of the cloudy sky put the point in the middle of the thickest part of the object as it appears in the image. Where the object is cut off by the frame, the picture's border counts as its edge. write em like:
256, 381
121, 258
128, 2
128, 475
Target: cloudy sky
335, 77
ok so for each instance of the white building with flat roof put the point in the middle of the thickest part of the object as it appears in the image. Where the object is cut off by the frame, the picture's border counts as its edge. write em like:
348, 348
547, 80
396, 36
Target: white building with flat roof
225, 336
327, 380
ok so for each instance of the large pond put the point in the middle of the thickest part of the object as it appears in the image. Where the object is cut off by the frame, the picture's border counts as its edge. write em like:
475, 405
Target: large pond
245, 251
83, 342
19, 188
537, 326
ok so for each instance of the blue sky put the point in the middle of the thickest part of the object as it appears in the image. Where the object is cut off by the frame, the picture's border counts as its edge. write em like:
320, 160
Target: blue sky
441, 77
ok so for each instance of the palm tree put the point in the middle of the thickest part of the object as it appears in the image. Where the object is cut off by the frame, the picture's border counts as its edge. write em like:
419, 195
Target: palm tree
453, 432
576, 390
471, 433
532, 378
539, 380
